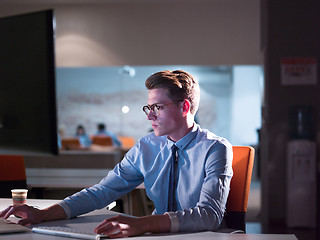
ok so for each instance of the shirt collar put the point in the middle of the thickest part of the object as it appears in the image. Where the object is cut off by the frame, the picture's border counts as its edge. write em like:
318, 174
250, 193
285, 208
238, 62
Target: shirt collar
183, 142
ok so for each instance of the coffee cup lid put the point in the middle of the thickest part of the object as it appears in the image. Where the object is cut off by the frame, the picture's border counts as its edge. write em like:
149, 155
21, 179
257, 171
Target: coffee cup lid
19, 190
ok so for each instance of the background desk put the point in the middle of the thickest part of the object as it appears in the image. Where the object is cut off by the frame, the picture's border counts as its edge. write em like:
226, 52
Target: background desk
91, 220
82, 159
70, 169
56, 177
70, 180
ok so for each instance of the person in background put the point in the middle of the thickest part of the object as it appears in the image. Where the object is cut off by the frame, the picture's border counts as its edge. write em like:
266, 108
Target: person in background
59, 141
102, 131
186, 170
61, 134
84, 139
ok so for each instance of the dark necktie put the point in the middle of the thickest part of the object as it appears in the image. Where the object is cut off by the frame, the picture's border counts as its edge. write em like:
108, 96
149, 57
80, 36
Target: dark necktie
172, 204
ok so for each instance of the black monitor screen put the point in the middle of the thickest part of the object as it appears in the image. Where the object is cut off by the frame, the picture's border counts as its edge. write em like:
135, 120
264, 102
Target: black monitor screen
28, 121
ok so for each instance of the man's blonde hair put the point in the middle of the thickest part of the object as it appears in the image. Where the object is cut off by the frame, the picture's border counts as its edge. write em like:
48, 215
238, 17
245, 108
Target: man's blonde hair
179, 84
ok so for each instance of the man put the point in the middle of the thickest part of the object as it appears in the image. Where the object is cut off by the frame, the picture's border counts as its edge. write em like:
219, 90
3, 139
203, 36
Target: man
186, 170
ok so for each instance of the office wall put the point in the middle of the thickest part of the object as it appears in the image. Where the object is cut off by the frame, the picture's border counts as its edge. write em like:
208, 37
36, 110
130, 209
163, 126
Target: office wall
157, 32
291, 29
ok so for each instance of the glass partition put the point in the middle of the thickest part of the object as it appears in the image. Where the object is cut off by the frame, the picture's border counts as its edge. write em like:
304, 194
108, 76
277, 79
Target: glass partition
230, 99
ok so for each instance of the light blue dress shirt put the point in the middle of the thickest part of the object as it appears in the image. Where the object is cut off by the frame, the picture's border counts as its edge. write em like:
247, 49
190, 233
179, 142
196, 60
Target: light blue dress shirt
84, 140
204, 174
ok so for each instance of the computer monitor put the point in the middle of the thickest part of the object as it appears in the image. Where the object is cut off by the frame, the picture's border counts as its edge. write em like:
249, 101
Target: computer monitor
28, 122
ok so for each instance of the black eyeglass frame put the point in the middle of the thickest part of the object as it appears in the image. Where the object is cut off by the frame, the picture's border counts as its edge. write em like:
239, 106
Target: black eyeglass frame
155, 108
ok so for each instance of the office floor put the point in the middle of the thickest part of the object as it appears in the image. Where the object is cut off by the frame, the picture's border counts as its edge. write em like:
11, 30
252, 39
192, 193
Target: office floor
253, 218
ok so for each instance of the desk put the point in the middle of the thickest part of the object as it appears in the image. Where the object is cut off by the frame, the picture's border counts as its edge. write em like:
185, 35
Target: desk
70, 169
76, 159
90, 221
76, 178
74, 170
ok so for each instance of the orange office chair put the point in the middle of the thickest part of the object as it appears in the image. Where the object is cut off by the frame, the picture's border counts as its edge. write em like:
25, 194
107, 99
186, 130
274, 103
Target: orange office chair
102, 140
70, 143
126, 141
236, 209
12, 174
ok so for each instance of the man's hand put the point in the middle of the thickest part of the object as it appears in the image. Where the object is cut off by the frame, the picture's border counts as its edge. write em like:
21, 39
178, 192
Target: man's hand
124, 226
31, 215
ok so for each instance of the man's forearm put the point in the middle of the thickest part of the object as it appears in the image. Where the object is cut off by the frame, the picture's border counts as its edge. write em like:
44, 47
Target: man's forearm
157, 223
54, 212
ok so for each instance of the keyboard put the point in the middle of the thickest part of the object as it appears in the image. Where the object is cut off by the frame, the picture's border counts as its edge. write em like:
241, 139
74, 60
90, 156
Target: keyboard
67, 232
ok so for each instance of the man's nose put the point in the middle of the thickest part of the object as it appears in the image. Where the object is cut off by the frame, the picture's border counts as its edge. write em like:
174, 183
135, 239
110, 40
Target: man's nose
151, 115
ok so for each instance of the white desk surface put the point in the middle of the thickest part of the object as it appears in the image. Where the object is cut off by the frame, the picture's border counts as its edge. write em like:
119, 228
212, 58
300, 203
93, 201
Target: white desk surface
91, 220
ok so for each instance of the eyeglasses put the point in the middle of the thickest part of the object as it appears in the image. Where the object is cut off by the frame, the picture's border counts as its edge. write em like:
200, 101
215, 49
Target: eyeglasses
155, 108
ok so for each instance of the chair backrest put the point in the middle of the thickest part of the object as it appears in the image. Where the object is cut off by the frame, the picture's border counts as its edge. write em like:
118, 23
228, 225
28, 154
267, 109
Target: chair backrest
126, 141
70, 143
102, 140
243, 158
12, 174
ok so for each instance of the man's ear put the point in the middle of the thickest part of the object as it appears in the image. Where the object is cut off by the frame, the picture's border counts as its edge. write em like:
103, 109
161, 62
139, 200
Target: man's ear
186, 107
